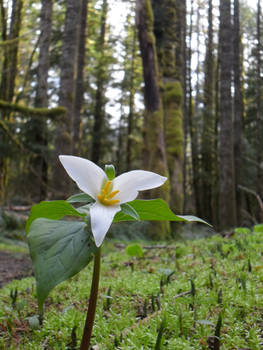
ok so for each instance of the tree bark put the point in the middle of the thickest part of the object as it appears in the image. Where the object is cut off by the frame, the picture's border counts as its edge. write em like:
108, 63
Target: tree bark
208, 134
131, 104
227, 198
154, 147
172, 96
39, 163
79, 81
99, 113
9, 70
238, 108
63, 142
259, 109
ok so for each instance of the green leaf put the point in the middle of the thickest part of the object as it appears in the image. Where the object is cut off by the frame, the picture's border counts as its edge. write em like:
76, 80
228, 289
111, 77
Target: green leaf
54, 210
59, 250
153, 210
129, 210
80, 198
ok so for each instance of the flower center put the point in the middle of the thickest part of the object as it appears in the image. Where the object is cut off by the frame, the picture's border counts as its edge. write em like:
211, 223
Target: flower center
106, 194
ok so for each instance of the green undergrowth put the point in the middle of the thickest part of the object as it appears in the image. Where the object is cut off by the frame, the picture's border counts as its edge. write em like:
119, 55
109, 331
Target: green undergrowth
183, 292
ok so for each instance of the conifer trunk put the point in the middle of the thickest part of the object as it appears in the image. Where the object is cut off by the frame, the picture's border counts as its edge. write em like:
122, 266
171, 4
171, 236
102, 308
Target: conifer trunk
99, 113
208, 136
172, 96
131, 105
259, 109
9, 72
154, 146
63, 142
238, 107
227, 198
79, 81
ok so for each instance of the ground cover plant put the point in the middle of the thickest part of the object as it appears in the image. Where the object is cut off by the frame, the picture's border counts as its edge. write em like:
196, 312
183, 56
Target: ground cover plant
202, 294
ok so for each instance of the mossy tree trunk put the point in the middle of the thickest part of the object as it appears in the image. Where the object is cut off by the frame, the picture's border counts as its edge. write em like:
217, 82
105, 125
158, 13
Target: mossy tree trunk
10, 62
154, 146
63, 143
259, 107
7, 86
172, 96
208, 133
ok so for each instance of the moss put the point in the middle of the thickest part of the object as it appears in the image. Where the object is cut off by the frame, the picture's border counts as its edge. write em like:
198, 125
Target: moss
172, 98
47, 112
148, 15
157, 163
173, 92
66, 138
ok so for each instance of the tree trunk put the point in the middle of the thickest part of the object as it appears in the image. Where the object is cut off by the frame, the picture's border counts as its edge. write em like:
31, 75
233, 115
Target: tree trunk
227, 198
131, 104
9, 69
259, 110
208, 135
180, 59
238, 108
7, 86
39, 163
63, 143
99, 113
154, 147
79, 81
192, 123
172, 96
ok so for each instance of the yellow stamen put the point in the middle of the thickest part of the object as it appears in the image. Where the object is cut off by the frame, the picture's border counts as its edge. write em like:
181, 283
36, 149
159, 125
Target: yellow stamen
114, 201
105, 196
112, 194
106, 188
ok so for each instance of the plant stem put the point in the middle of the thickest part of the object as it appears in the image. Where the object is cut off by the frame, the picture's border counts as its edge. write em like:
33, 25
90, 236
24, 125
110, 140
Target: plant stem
87, 332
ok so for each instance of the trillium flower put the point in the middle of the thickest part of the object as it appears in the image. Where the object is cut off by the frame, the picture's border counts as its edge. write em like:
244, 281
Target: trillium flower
108, 194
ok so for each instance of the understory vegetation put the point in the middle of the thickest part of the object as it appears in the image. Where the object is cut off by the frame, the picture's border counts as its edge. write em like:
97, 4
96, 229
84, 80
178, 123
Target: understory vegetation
194, 294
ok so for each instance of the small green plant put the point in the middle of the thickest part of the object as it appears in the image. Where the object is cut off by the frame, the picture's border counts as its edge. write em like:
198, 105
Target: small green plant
134, 250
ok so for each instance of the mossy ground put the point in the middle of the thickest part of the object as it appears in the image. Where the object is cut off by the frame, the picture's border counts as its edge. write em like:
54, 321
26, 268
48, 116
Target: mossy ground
207, 277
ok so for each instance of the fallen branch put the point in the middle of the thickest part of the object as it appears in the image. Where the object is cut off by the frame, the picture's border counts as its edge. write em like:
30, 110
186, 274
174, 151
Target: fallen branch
122, 246
248, 190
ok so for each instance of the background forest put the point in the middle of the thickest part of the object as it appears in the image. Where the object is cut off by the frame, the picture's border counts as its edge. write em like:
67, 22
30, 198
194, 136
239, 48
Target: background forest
172, 86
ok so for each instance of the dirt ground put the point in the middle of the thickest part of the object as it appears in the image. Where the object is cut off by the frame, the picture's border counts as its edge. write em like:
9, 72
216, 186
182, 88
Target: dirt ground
14, 266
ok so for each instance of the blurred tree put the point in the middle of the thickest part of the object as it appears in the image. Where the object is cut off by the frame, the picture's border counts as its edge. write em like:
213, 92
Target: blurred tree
172, 96
208, 132
63, 143
154, 158
227, 198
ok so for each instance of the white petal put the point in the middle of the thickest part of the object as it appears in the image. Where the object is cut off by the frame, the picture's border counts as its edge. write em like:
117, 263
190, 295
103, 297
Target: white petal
101, 217
133, 181
88, 176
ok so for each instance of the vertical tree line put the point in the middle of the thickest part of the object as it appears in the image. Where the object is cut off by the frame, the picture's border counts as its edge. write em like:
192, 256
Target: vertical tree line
71, 86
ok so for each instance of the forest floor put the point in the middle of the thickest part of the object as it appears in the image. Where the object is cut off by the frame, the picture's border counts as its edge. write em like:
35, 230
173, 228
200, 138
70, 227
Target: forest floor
14, 265
203, 294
